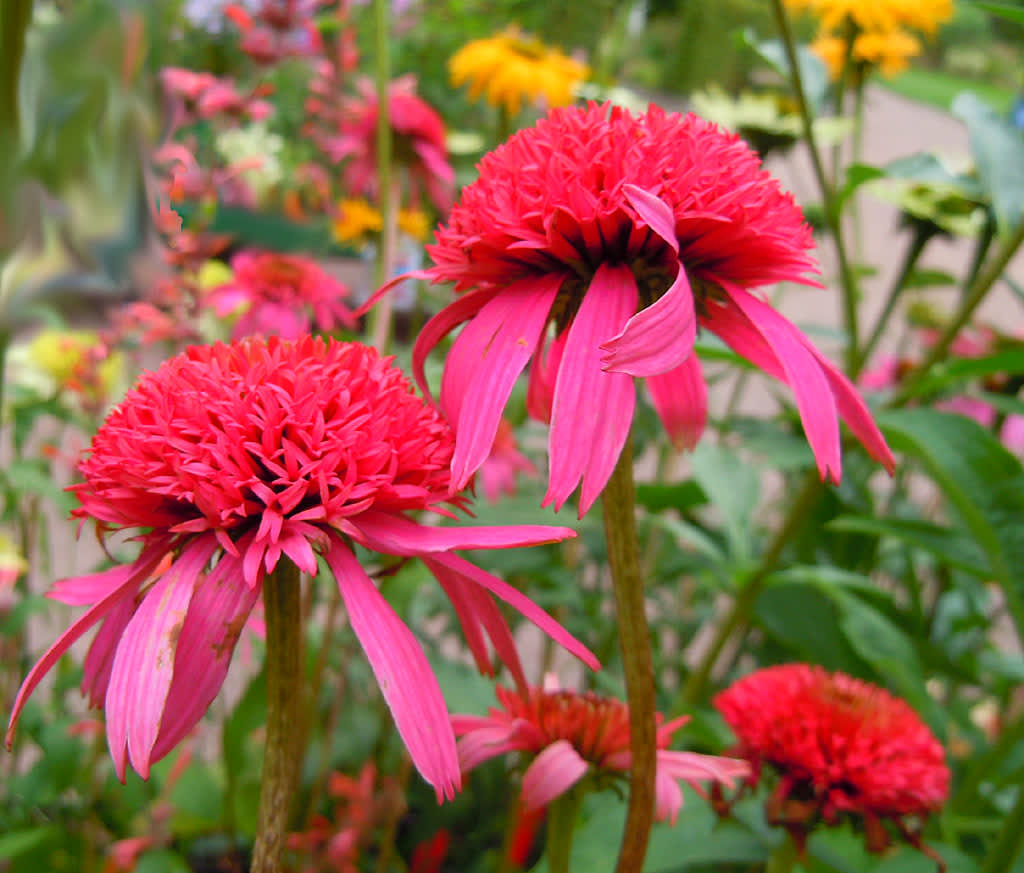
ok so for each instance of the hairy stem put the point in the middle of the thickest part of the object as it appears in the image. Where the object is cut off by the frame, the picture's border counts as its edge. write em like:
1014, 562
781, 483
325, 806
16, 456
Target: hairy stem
618, 503
283, 753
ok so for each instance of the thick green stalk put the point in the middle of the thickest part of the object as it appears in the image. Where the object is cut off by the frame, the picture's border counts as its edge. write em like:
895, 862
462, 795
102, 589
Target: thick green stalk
784, 858
847, 276
618, 502
1010, 842
381, 315
282, 758
561, 826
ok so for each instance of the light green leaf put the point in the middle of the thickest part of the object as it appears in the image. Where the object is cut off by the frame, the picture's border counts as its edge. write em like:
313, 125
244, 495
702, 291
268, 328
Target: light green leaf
732, 487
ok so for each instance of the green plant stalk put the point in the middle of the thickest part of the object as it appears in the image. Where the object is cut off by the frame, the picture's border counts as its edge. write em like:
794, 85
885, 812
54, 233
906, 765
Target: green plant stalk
738, 617
561, 826
1010, 841
14, 25
784, 858
847, 276
981, 250
282, 758
618, 503
381, 314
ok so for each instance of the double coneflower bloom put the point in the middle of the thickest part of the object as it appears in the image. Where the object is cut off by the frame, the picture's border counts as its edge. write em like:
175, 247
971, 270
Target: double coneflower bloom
231, 458
595, 245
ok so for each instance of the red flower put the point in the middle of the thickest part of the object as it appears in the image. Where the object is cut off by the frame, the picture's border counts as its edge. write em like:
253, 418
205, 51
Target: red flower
281, 294
229, 457
840, 745
624, 234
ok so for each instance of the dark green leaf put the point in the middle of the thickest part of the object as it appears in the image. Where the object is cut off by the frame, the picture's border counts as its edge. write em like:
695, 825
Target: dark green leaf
19, 842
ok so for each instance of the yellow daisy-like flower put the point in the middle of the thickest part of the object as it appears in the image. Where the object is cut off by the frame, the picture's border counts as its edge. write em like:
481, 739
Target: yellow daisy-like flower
511, 68
76, 360
354, 221
877, 15
890, 51
414, 223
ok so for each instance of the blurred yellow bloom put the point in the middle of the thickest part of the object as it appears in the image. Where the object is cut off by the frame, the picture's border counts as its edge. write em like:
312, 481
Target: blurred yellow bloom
877, 15
214, 273
890, 51
414, 223
12, 562
511, 68
355, 220
76, 360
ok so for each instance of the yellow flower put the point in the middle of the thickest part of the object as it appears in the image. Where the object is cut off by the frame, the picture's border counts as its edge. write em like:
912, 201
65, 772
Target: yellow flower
877, 15
414, 223
354, 221
77, 360
890, 51
214, 273
12, 562
511, 68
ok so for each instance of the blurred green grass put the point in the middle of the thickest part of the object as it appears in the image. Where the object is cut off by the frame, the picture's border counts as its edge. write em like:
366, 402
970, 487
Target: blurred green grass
938, 89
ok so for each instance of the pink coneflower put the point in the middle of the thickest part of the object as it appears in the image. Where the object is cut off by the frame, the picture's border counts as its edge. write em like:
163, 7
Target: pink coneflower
230, 457
841, 747
623, 234
572, 734
418, 144
283, 295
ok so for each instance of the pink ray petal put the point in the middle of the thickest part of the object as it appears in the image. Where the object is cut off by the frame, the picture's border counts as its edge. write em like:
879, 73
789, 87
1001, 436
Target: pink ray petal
82, 590
99, 660
592, 410
397, 535
142, 568
518, 601
553, 772
803, 374
668, 797
386, 287
218, 612
655, 212
405, 678
540, 390
512, 322
489, 741
144, 662
680, 398
464, 308
658, 338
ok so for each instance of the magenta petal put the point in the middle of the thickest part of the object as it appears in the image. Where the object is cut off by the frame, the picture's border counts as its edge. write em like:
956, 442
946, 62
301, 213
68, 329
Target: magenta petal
804, 375
592, 410
680, 398
81, 590
518, 601
657, 339
490, 740
540, 389
386, 287
655, 212
396, 535
504, 334
553, 772
403, 674
219, 609
99, 660
141, 569
144, 663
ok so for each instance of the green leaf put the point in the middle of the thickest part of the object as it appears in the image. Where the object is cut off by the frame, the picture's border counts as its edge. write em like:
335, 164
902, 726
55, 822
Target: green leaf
813, 74
998, 151
657, 496
161, 861
959, 370
19, 842
1009, 11
732, 488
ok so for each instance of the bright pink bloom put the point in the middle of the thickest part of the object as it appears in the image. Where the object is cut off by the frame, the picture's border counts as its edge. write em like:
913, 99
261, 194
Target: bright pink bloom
228, 458
970, 407
499, 472
840, 745
418, 139
283, 295
623, 234
1012, 433
571, 734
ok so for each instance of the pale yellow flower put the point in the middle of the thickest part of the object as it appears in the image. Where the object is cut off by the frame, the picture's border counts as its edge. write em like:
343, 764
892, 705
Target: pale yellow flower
354, 221
511, 68
12, 562
414, 223
76, 360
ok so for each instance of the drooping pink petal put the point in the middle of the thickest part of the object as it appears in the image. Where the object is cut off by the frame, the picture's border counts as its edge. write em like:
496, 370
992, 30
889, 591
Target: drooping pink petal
509, 327
396, 535
592, 410
82, 590
553, 772
144, 663
403, 673
540, 390
680, 397
388, 286
99, 660
216, 616
490, 740
518, 601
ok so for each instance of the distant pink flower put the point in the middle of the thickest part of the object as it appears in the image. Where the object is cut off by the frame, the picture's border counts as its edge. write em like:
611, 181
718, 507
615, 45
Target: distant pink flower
623, 234
499, 472
1012, 433
283, 295
278, 29
970, 407
203, 95
570, 734
124, 854
419, 143
230, 457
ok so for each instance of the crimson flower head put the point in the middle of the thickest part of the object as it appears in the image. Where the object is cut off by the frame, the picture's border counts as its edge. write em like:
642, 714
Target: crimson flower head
842, 747
280, 294
418, 143
572, 735
596, 243
229, 458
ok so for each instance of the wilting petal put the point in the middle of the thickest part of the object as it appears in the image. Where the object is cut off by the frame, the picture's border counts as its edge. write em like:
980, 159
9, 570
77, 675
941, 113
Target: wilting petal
658, 338
502, 337
403, 674
218, 612
553, 772
144, 663
680, 398
518, 601
592, 411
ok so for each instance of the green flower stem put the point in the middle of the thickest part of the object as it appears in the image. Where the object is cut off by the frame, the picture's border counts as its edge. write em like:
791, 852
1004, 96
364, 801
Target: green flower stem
784, 858
976, 293
981, 250
381, 315
282, 758
965, 800
738, 618
618, 502
847, 276
561, 826
1010, 841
